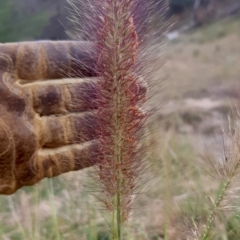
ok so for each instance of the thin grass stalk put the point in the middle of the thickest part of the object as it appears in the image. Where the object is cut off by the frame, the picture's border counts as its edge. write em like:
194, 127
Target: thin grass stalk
209, 224
20, 226
53, 208
227, 172
167, 197
36, 227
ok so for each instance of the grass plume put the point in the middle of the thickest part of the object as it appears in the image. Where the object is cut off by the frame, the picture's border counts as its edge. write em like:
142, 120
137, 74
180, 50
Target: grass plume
118, 27
226, 171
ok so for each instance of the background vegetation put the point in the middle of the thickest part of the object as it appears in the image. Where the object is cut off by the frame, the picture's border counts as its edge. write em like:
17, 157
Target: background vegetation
32, 19
180, 5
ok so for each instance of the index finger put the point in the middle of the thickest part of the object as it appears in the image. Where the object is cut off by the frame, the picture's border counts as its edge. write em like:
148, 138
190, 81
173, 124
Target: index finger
49, 59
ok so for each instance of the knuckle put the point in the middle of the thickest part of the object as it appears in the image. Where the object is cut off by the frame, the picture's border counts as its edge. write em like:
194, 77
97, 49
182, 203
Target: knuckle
7, 177
6, 64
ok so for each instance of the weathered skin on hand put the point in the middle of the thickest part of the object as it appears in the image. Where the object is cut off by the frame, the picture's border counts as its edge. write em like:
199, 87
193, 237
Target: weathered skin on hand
48, 60
46, 127
34, 141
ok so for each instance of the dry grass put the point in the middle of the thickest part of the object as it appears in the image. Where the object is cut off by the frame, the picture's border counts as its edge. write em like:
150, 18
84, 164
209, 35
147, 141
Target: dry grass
201, 79
199, 64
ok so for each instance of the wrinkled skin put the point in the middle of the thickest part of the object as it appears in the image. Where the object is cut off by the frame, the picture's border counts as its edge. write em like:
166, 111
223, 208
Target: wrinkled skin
47, 119
46, 128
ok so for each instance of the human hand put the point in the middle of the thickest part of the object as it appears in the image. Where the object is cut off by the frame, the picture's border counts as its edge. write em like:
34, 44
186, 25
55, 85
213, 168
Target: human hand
46, 127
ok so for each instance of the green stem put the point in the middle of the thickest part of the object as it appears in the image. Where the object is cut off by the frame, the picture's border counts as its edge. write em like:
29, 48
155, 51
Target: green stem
117, 219
117, 223
119, 227
208, 227
36, 229
167, 197
223, 187
53, 208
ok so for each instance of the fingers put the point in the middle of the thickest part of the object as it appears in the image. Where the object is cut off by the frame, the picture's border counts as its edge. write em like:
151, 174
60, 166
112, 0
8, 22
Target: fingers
71, 158
48, 59
60, 131
80, 96
61, 98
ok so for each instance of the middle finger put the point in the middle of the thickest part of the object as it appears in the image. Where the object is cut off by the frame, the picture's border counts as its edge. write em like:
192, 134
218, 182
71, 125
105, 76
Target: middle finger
65, 130
59, 98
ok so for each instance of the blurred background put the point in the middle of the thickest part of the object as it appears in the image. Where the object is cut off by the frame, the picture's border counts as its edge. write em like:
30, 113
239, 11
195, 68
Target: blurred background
32, 19
201, 88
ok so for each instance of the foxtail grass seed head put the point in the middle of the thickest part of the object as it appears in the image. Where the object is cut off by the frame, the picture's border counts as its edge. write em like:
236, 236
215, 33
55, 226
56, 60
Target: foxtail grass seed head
117, 28
120, 101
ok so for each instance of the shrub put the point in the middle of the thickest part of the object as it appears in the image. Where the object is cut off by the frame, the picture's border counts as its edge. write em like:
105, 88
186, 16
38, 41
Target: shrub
16, 28
178, 6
